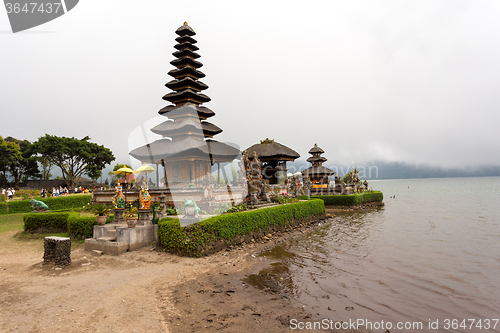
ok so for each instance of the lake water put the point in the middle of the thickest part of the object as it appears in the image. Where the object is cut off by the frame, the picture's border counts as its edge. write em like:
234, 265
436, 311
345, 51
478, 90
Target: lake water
430, 255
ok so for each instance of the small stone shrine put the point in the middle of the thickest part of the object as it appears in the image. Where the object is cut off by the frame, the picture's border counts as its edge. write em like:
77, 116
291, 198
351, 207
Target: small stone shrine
317, 173
273, 156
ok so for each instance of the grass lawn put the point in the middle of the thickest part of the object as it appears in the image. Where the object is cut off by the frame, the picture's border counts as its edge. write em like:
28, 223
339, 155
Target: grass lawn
11, 222
14, 222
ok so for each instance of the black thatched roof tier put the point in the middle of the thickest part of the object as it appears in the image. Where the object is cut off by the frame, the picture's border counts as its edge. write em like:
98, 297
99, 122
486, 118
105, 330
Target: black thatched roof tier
189, 46
318, 159
186, 61
316, 150
270, 150
186, 95
186, 39
189, 147
195, 110
185, 83
186, 126
186, 53
186, 71
185, 30
317, 171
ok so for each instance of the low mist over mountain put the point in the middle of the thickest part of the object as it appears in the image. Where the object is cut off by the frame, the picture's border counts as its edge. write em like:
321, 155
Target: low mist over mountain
400, 170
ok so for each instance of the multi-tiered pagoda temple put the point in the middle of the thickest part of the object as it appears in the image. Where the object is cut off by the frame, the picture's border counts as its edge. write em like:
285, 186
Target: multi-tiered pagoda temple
317, 173
187, 150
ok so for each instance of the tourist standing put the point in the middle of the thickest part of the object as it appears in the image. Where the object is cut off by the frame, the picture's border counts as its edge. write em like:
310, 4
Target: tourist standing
3, 191
43, 193
10, 195
53, 192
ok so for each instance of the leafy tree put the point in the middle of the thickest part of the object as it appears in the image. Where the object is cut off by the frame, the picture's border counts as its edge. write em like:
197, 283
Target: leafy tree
114, 177
9, 153
93, 172
46, 168
74, 157
24, 166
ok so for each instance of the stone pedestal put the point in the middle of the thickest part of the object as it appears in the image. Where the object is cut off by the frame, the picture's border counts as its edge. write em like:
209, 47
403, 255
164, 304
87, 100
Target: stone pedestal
57, 250
118, 215
144, 217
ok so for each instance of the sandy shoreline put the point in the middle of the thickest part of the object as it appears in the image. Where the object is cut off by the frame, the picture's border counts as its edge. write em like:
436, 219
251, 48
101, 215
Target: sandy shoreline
140, 291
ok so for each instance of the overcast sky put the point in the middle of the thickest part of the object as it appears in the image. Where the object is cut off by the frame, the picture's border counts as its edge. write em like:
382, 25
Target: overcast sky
409, 81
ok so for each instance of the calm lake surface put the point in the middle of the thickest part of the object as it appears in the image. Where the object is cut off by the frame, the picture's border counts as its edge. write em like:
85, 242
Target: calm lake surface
431, 253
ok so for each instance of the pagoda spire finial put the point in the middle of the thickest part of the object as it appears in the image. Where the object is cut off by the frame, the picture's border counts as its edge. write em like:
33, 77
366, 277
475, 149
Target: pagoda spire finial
185, 23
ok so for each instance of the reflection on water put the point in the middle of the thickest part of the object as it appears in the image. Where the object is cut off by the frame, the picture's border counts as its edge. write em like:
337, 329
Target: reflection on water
432, 253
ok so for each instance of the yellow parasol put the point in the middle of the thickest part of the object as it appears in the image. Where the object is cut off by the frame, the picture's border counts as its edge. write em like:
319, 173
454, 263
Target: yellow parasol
124, 170
144, 168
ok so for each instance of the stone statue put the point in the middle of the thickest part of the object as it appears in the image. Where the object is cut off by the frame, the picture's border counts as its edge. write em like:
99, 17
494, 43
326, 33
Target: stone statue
145, 199
119, 199
307, 186
266, 191
38, 205
191, 208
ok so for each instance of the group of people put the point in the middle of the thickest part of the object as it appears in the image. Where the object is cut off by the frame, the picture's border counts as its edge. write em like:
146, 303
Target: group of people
61, 191
56, 192
10, 193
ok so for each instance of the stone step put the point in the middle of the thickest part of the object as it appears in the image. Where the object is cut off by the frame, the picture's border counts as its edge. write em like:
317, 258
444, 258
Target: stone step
106, 239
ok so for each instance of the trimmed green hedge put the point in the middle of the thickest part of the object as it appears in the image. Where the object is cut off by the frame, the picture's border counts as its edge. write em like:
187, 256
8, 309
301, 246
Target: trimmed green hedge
3, 208
59, 203
22, 206
81, 227
191, 239
349, 200
78, 227
69, 202
46, 222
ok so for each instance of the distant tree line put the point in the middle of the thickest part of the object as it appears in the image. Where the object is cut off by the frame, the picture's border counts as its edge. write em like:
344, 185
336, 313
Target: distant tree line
21, 160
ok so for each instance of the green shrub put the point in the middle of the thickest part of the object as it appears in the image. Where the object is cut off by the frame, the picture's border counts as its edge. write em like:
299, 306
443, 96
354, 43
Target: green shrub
3, 198
81, 227
349, 200
22, 206
69, 202
46, 222
55, 204
3, 208
191, 239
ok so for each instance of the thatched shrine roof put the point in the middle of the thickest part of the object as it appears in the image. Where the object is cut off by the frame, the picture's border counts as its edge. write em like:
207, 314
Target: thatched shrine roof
190, 147
317, 171
186, 45
186, 53
316, 150
194, 110
188, 125
186, 82
318, 159
186, 61
268, 150
184, 30
186, 39
186, 95
186, 71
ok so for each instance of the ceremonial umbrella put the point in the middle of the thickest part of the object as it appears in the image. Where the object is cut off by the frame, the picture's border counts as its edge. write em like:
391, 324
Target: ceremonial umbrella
144, 169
